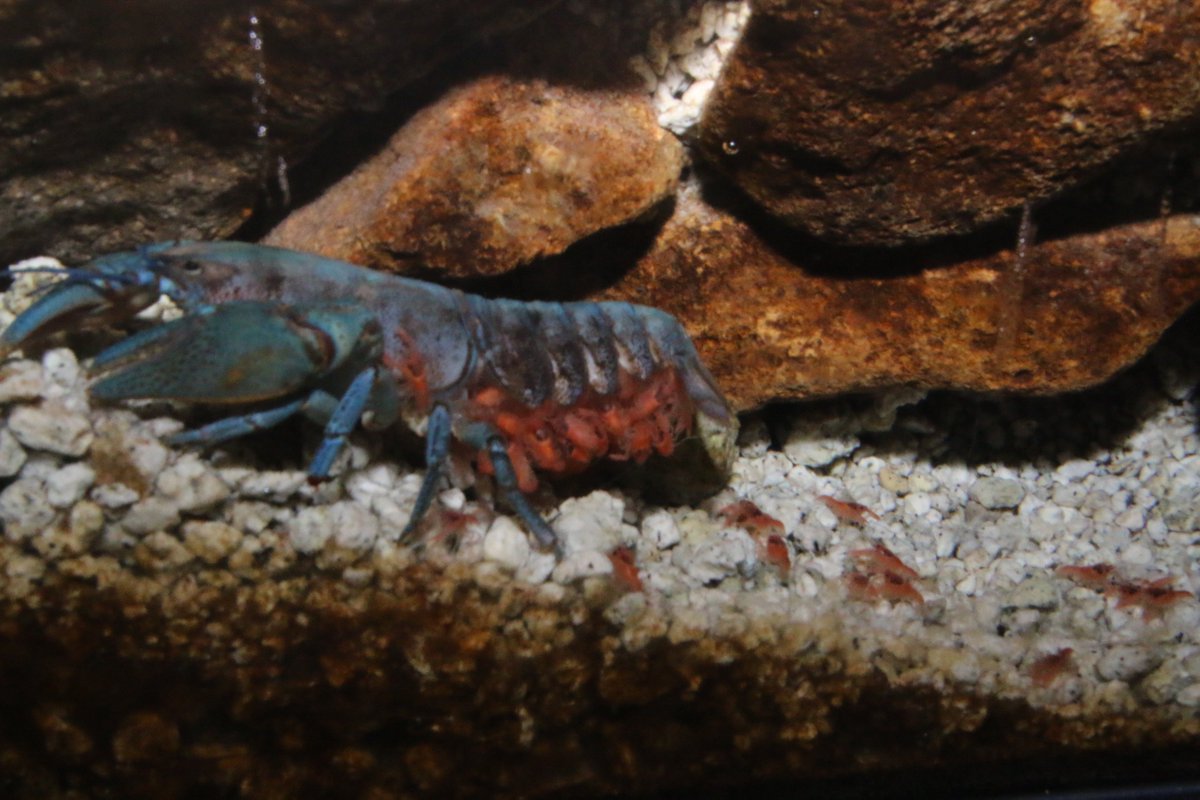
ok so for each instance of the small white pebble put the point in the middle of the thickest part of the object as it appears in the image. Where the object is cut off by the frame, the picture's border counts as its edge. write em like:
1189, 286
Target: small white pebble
20, 566
506, 544
1070, 495
893, 481
192, 485
997, 493
210, 541
276, 486
1074, 470
1139, 554
453, 500
590, 523
68, 485
24, 509
922, 482
917, 504
310, 530
660, 527
358, 577
1038, 592
1132, 519
166, 550
537, 568
20, 381
355, 527
149, 515
364, 485
60, 372
114, 495
811, 449
1126, 662
147, 454
12, 455
53, 428
582, 564
1189, 696
697, 93
711, 560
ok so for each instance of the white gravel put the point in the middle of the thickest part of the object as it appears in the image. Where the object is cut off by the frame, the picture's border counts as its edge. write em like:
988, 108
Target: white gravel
983, 499
684, 56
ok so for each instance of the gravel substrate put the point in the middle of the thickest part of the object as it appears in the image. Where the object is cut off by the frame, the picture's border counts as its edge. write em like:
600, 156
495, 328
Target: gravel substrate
984, 499
684, 57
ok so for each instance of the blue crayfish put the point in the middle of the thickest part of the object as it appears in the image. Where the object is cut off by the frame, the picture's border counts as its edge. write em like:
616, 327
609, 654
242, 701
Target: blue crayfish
524, 386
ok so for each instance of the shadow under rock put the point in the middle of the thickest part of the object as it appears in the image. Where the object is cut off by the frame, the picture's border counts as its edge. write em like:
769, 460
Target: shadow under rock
1159, 179
955, 427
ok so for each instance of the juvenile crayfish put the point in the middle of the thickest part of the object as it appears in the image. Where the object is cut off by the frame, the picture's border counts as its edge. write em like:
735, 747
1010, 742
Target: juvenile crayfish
524, 387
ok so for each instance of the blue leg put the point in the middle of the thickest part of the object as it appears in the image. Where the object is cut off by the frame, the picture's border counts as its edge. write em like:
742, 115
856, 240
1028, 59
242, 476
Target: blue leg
506, 479
437, 447
233, 427
342, 421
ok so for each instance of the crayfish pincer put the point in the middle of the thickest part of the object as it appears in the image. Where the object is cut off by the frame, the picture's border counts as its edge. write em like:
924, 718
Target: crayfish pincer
523, 387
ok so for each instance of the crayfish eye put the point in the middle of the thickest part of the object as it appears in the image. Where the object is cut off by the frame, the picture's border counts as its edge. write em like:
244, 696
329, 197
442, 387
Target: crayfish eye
191, 267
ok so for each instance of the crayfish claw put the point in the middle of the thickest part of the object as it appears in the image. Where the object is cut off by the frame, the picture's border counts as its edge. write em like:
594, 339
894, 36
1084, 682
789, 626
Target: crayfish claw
240, 352
51, 312
90, 297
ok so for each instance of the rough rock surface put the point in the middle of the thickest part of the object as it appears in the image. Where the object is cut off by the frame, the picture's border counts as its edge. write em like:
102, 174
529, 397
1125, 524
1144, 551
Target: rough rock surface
876, 123
122, 123
496, 174
1074, 313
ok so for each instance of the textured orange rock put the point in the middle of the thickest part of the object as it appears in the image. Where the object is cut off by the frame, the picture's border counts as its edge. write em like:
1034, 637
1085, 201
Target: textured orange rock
874, 122
1078, 311
495, 174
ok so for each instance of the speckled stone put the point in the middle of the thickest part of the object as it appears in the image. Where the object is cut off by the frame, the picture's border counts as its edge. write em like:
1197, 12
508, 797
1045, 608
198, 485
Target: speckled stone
771, 327
997, 493
51, 427
879, 123
210, 541
495, 174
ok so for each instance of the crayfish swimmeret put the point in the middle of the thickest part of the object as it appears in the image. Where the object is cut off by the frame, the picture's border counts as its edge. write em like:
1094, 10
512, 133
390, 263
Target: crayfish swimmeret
524, 386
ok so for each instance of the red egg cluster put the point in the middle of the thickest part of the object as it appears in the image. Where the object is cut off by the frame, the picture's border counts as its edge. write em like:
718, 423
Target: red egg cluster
640, 419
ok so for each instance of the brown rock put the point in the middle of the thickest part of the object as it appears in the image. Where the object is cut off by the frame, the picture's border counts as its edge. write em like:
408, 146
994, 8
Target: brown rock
1076, 312
494, 175
135, 121
874, 122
